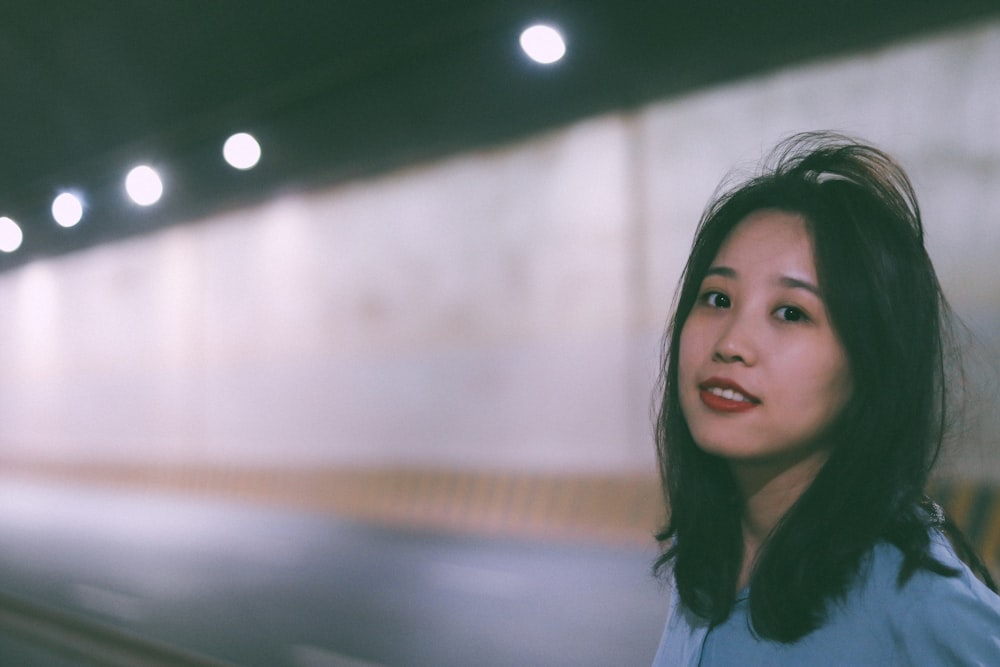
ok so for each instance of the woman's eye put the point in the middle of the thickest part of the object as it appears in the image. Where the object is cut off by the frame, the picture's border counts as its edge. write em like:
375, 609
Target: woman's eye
790, 314
716, 300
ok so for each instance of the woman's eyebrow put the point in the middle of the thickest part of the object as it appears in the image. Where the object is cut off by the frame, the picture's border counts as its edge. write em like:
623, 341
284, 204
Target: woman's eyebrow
796, 283
723, 271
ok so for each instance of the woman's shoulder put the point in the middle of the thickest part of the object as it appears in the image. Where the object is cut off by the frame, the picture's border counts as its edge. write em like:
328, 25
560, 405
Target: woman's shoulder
883, 568
930, 620
931, 614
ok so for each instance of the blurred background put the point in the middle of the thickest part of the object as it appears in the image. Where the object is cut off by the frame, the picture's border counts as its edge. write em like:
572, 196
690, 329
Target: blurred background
380, 393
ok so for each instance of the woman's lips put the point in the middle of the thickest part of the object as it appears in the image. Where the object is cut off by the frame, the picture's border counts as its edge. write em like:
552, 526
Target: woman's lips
724, 395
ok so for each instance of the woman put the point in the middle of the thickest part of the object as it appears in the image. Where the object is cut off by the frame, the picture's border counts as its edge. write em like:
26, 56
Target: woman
803, 407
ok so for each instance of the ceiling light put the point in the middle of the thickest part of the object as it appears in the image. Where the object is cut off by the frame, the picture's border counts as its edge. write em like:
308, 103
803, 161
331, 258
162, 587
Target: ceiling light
10, 235
143, 185
543, 44
67, 209
241, 151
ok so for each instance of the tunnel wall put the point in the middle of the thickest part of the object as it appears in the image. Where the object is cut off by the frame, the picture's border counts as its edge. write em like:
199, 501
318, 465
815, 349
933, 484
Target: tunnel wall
495, 310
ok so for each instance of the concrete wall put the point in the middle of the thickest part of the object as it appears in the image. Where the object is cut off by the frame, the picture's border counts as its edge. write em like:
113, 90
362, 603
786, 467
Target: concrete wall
498, 309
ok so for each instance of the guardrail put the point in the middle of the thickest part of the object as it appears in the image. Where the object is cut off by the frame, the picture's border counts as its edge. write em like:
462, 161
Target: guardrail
604, 507
624, 508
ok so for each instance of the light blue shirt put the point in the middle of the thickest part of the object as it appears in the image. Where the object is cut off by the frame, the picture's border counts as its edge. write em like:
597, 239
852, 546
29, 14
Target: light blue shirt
933, 620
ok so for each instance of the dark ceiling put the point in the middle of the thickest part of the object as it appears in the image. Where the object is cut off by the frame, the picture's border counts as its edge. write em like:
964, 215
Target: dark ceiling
342, 89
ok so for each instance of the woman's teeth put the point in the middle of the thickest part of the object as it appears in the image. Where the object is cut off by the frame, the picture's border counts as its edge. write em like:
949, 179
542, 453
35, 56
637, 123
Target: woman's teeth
728, 394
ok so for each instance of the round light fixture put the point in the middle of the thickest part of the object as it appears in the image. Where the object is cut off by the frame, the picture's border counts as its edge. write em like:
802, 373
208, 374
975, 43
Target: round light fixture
11, 235
543, 44
67, 209
143, 185
241, 151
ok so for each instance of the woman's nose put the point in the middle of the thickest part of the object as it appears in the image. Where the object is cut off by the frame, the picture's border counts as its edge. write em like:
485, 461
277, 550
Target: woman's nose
736, 342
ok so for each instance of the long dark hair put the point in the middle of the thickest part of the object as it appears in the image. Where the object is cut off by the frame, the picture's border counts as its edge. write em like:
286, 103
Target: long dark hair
887, 309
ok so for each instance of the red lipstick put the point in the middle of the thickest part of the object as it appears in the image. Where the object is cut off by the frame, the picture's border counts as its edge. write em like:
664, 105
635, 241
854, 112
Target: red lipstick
724, 395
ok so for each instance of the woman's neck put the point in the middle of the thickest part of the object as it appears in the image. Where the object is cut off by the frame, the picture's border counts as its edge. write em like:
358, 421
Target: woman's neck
769, 490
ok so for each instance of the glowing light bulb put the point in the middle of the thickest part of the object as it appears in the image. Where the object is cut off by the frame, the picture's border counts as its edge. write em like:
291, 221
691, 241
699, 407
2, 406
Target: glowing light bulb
11, 235
543, 44
67, 209
144, 186
241, 151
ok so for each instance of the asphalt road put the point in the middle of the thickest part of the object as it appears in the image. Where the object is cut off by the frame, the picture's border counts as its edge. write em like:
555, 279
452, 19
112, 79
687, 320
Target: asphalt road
271, 588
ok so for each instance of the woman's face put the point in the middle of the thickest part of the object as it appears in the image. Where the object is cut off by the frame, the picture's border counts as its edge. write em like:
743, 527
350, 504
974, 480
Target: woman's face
761, 372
